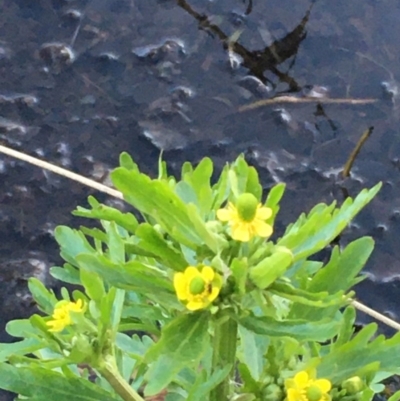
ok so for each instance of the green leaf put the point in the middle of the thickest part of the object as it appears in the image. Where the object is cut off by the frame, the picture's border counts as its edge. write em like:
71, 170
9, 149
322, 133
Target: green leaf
20, 328
214, 241
157, 199
200, 181
221, 189
126, 161
68, 274
95, 233
249, 384
301, 330
160, 374
253, 185
184, 338
72, 243
116, 246
246, 179
201, 389
187, 193
351, 358
303, 297
183, 342
133, 275
154, 243
42, 296
94, 286
346, 331
38, 384
239, 269
274, 197
20, 348
107, 213
323, 224
116, 311
340, 273
135, 346
252, 350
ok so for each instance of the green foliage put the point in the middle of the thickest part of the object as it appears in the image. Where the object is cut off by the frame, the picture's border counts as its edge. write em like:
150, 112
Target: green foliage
36, 384
166, 300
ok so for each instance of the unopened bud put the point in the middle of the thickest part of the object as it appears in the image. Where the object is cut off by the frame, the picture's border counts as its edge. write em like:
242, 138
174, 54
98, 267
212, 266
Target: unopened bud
272, 393
246, 206
353, 385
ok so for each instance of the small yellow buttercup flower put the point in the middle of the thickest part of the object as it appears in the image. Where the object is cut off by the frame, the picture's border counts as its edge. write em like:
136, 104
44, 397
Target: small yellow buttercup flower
61, 314
197, 288
303, 388
247, 218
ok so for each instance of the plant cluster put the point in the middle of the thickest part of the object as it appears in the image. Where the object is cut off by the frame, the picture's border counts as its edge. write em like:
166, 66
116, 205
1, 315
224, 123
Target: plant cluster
194, 298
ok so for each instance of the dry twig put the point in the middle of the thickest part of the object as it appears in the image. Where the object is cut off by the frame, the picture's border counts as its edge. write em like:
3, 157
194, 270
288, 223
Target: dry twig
356, 151
293, 99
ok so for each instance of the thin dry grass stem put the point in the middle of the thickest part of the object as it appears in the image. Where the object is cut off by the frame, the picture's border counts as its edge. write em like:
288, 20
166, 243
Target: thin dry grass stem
376, 315
350, 161
61, 171
112, 192
293, 99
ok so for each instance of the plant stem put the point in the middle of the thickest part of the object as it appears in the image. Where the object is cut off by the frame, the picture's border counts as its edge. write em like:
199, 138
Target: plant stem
225, 343
108, 369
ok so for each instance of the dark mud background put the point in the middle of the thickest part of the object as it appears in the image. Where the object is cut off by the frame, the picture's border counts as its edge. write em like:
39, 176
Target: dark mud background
82, 81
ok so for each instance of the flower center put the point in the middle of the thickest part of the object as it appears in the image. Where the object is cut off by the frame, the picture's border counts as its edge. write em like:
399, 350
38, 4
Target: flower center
314, 393
197, 286
246, 206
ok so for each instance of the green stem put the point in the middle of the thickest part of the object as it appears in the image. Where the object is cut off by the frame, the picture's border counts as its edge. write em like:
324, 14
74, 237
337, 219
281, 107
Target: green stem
224, 353
108, 369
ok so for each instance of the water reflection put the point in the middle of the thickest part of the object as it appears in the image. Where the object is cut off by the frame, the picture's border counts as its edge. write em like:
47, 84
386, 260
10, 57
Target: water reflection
258, 61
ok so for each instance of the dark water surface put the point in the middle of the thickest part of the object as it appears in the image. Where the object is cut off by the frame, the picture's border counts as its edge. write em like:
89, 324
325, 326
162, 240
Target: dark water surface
82, 81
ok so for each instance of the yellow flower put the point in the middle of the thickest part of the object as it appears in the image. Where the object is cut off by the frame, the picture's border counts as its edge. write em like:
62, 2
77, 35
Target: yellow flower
304, 388
61, 314
247, 218
197, 289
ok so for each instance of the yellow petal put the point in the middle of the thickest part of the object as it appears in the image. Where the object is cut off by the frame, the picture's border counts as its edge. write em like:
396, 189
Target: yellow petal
323, 384
214, 293
208, 273
224, 214
75, 306
190, 273
196, 305
301, 379
263, 213
240, 232
293, 395
55, 326
180, 285
262, 229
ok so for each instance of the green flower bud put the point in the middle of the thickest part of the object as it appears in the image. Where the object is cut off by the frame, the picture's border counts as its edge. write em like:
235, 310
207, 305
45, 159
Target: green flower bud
197, 286
314, 393
268, 379
246, 206
272, 393
353, 385
82, 349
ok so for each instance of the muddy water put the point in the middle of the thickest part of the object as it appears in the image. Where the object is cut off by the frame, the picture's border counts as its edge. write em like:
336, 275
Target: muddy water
81, 81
